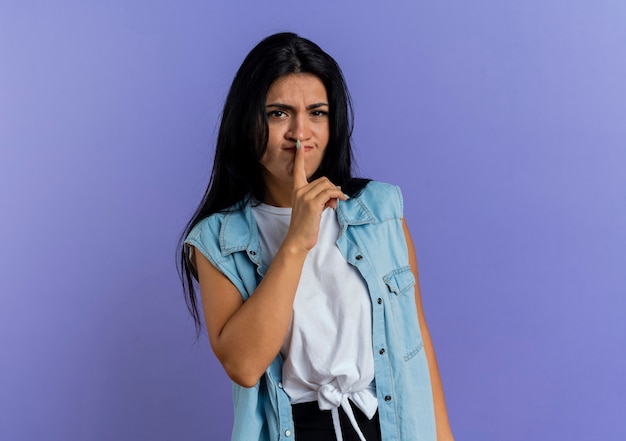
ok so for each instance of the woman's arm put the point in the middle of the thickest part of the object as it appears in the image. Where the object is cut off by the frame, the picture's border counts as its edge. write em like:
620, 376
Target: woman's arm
444, 433
247, 336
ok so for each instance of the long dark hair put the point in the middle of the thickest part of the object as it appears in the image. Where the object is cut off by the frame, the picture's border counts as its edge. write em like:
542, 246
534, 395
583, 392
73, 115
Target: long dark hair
243, 134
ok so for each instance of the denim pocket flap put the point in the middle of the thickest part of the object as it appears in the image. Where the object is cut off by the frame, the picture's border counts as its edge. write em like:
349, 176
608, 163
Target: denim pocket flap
400, 281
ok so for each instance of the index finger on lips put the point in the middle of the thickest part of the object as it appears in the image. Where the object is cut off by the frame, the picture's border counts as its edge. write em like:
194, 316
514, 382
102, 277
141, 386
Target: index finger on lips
299, 172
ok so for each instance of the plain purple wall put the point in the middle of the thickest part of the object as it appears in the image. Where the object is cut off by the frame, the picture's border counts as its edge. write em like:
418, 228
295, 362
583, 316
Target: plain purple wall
503, 122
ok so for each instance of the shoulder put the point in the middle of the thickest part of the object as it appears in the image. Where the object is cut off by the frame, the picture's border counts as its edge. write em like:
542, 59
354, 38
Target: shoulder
212, 235
381, 199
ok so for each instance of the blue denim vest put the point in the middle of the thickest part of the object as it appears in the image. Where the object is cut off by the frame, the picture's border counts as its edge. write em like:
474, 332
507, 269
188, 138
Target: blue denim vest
371, 238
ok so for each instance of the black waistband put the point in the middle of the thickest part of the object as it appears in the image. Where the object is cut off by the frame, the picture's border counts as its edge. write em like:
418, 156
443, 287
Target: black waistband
313, 424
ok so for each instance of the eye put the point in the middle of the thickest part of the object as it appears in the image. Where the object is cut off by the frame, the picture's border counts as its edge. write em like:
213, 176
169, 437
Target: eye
276, 114
319, 113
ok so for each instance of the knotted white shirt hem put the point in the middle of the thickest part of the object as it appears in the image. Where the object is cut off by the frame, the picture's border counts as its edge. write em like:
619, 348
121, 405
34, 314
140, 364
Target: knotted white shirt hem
329, 397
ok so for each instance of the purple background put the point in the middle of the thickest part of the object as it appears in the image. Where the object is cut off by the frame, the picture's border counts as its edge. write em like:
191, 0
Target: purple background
503, 122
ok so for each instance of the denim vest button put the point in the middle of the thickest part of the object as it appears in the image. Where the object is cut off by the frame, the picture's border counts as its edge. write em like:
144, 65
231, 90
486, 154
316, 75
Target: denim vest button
387, 397
252, 253
287, 432
359, 257
380, 300
280, 384
382, 351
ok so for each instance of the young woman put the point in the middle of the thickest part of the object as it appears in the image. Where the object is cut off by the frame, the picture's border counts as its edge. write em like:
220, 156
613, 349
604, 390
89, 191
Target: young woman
308, 276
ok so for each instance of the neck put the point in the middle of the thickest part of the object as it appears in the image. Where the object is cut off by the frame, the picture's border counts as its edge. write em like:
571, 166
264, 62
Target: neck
278, 194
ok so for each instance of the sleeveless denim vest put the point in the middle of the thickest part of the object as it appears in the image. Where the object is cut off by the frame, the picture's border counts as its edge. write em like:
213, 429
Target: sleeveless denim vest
371, 238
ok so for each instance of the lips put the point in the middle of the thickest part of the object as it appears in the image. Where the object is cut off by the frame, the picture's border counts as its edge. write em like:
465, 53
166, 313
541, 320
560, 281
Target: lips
306, 148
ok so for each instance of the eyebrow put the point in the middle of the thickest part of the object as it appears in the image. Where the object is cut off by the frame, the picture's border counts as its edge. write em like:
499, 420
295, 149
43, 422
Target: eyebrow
288, 107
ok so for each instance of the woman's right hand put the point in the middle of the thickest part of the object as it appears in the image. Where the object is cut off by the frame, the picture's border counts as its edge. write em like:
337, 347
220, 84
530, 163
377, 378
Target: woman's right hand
309, 200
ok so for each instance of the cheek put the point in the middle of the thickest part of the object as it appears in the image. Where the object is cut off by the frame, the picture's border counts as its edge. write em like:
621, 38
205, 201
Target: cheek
272, 160
274, 132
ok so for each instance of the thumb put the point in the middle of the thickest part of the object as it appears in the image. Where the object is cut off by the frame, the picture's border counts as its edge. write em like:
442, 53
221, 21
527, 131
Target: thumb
299, 172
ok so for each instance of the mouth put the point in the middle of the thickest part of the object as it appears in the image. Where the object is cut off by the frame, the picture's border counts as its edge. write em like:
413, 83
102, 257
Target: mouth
307, 148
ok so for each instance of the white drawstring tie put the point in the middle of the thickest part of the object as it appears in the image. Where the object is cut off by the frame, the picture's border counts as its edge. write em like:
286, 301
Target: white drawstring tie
329, 397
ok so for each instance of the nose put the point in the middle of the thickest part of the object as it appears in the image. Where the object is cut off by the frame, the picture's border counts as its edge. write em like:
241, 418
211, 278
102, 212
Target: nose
299, 128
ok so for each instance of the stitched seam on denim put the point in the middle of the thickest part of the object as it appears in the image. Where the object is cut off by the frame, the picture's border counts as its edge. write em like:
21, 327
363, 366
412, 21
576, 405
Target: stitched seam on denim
414, 352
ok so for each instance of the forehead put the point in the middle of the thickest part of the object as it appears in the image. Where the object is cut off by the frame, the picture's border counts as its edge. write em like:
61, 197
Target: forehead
297, 86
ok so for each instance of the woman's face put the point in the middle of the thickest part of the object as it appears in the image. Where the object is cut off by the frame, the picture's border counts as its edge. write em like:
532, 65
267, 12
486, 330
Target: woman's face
296, 108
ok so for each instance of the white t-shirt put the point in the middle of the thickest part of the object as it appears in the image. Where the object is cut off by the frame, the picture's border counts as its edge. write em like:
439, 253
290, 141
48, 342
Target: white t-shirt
328, 348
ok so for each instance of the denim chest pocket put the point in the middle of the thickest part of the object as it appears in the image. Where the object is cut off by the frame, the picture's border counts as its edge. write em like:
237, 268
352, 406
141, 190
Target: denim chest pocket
400, 284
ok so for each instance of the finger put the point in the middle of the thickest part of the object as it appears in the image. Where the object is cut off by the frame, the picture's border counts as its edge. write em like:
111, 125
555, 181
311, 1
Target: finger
323, 184
299, 172
326, 197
